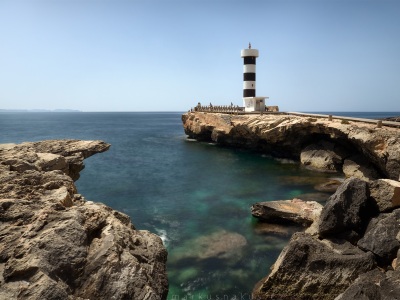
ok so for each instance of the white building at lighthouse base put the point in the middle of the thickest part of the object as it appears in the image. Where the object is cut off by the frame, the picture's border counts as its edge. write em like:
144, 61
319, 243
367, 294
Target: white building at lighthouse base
254, 104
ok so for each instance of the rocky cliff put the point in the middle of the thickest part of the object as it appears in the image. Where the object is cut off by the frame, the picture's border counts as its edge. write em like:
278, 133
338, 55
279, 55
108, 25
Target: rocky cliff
352, 248
56, 245
358, 149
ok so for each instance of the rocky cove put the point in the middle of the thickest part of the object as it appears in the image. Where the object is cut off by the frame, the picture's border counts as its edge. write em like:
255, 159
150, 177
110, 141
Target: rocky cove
55, 244
351, 247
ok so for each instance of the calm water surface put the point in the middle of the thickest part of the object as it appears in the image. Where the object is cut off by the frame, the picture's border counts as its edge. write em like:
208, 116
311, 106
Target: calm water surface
196, 196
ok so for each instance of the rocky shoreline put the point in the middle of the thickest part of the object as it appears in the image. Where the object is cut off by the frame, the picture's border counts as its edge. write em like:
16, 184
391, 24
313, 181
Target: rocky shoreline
358, 149
351, 248
56, 245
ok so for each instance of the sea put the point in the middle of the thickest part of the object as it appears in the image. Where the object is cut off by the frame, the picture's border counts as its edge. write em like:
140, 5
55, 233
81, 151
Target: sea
196, 196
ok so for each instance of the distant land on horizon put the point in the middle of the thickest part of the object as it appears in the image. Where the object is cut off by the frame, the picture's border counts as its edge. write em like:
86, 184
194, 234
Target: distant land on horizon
40, 110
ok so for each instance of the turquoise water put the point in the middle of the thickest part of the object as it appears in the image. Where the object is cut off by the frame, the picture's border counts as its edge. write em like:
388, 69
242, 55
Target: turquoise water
196, 196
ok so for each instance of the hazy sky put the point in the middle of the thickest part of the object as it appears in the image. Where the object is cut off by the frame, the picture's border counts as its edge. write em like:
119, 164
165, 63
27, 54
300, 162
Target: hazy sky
167, 55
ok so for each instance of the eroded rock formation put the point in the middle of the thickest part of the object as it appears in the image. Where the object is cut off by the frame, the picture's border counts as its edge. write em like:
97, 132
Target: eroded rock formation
56, 245
287, 136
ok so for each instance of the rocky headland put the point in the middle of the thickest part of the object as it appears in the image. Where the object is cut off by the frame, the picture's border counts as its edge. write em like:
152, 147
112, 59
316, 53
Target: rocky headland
350, 249
357, 149
57, 245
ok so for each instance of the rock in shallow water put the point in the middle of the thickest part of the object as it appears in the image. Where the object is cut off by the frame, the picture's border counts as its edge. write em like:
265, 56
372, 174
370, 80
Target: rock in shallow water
293, 211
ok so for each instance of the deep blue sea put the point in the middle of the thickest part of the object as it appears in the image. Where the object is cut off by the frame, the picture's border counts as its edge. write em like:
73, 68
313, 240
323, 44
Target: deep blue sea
196, 196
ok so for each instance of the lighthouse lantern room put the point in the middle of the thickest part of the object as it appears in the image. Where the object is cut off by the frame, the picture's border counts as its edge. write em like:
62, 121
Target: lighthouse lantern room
250, 101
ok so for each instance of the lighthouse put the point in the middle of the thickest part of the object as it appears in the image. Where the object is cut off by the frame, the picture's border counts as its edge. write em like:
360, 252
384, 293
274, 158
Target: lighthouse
250, 101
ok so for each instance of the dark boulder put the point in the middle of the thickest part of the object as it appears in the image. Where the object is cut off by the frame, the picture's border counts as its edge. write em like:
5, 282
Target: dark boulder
374, 285
309, 268
380, 237
348, 210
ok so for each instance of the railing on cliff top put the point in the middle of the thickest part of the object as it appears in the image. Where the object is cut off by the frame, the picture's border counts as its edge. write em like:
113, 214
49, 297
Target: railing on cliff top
230, 109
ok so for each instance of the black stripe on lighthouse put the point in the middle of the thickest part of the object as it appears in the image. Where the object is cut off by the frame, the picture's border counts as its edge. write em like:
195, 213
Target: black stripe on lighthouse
249, 60
249, 91
249, 76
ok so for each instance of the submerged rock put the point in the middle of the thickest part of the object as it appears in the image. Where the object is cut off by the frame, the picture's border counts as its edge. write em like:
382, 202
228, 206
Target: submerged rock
264, 228
220, 244
56, 245
329, 186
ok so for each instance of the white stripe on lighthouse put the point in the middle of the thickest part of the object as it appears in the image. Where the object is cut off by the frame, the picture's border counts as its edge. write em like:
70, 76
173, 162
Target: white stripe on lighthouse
249, 85
249, 68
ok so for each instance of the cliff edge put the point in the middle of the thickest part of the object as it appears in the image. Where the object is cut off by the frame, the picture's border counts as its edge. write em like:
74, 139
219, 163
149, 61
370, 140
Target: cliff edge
56, 245
357, 148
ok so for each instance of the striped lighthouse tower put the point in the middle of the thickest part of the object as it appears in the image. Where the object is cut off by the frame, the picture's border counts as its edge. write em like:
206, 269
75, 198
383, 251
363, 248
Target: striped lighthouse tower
250, 101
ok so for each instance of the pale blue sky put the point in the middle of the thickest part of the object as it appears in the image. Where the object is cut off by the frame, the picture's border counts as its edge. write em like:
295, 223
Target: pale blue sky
154, 55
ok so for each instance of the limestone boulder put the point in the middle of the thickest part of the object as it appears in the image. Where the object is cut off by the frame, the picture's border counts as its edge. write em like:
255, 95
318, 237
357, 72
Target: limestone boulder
360, 167
323, 156
385, 193
287, 211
